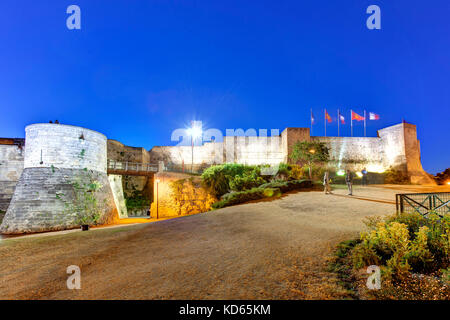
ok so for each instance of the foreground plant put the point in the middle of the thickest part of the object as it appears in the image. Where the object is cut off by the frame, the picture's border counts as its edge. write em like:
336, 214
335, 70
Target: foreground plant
413, 255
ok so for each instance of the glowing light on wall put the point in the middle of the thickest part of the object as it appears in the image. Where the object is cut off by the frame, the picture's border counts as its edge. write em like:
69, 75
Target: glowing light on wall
378, 168
359, 174
340, 172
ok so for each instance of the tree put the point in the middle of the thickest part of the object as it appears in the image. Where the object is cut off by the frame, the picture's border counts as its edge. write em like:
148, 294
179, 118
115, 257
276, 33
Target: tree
310, 152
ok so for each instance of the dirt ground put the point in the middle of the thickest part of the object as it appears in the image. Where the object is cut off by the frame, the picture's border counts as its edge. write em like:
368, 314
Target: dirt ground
265, 250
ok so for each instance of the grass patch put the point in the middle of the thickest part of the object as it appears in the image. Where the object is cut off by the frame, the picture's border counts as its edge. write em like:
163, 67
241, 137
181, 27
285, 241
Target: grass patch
341, 266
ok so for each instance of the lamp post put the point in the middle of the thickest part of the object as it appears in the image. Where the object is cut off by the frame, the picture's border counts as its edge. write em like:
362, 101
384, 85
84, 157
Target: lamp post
311, 151
157, 200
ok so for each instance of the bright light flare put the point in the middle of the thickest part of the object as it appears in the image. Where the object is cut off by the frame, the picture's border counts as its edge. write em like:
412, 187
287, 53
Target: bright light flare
340, 173
359, 174
194, 132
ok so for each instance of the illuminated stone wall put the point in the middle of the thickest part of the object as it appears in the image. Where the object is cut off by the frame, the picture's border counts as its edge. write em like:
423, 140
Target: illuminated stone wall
192, 199
355, 153
11, 167
56, 156
246, 150
401, 148
396, 146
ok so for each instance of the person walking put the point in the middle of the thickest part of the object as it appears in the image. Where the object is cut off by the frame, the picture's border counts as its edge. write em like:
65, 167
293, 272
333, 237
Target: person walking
349, 181
326, 182
364, 181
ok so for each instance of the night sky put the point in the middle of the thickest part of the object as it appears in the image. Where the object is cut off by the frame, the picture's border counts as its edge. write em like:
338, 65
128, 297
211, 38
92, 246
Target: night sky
137, 70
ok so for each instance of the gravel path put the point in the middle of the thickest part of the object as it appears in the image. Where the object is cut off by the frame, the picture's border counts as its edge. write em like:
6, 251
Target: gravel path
264, 250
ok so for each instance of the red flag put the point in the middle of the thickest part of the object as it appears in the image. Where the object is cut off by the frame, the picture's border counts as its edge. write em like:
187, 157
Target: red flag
373, 116
356, 116
327, 116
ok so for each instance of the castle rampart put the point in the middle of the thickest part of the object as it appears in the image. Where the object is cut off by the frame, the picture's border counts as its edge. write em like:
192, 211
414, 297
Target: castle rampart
55, 157
55, 154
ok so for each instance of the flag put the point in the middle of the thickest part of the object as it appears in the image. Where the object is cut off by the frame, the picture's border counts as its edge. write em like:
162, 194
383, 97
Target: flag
312, 118
327, 116
341, 118
356, 116
373, 116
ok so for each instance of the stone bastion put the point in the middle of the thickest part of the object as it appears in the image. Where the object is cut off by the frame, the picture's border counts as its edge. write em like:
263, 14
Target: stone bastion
55, 157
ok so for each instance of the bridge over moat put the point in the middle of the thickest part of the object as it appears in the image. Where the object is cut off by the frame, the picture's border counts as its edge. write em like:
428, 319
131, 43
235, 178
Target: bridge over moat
126, 168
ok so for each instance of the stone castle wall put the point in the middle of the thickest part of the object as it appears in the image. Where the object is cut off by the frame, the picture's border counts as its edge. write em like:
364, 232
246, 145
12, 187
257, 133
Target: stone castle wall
11, 167
396, 146
192, 199
55, 157
64, 151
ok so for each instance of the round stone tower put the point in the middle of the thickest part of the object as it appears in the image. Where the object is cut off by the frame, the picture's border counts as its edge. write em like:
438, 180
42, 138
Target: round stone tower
57, 158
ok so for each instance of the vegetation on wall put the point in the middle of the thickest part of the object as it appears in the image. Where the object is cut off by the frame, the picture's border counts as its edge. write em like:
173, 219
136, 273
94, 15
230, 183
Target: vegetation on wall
2, 215
83, 203
189, 197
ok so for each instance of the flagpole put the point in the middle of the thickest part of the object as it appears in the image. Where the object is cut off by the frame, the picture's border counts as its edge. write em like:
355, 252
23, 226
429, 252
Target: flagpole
351, 121
364, 123
311, 119
325, 121
339, 120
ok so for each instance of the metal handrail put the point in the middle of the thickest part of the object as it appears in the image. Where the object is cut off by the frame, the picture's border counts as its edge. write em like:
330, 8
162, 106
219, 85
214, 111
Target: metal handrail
132, 166
423, 203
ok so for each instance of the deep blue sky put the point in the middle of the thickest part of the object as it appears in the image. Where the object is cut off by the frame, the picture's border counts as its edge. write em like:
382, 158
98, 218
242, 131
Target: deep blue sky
139, 69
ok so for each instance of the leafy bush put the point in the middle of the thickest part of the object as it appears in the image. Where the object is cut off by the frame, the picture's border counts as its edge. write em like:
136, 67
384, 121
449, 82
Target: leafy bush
217, 178
137, 200
247, 181
405, 243
220, 179
297, 172
244, 196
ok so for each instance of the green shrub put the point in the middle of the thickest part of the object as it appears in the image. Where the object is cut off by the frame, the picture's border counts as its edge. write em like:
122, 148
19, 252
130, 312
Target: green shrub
247, 181
217, 178
244, 196
405, 243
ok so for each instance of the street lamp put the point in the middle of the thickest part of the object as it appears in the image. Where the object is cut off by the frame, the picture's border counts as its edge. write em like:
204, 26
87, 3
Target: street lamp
157, 200
195, 132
